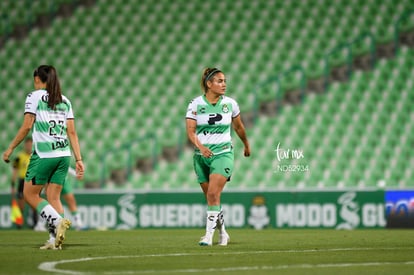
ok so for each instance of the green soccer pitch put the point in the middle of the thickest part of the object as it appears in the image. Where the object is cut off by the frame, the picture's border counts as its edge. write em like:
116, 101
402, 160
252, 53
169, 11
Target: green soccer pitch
176, 251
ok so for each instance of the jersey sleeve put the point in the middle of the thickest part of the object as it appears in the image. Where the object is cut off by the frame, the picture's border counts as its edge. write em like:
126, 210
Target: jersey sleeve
192, 110
70, 111
236, 109
31, 103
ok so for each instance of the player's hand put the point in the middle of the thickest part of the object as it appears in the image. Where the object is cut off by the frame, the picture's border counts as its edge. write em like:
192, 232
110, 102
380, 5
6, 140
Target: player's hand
80, 169
7, 154
207, 153
247, 151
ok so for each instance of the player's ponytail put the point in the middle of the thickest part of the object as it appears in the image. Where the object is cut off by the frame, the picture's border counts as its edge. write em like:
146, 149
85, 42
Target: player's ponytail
207, 75
48, 75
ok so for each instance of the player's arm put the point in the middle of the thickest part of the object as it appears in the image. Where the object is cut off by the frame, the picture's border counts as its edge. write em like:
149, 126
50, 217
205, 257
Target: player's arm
74, 143
238, 127
27, 125
191, 126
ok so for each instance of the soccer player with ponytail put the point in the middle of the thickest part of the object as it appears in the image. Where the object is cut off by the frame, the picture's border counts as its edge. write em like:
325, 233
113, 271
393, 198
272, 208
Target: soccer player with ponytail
49, 113
209, 120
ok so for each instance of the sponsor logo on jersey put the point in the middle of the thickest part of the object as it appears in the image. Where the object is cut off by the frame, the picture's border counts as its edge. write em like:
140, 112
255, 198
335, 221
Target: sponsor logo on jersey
205, 132
45, 98
60, 144
213, 118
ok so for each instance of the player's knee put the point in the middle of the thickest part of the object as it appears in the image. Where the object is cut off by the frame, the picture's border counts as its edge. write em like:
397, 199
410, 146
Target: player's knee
213, 197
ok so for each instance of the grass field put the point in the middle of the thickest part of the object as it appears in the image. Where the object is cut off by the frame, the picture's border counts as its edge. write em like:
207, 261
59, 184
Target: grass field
165, 251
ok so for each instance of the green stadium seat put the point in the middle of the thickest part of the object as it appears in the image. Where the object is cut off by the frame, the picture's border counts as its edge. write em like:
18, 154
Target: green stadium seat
144, 53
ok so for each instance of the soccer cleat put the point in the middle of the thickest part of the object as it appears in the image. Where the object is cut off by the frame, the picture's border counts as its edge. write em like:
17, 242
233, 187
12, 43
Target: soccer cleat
224, 239
49, 245
63, 225
206, 240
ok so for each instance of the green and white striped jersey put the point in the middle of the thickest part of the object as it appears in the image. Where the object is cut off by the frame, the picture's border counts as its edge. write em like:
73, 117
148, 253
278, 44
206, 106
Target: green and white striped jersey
49, 130
213, 122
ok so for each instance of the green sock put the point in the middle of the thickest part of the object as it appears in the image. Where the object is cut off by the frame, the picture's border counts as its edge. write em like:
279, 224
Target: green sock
41, 205
213, 208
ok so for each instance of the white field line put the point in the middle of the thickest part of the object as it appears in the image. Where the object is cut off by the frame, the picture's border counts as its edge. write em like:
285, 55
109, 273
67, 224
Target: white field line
52, 266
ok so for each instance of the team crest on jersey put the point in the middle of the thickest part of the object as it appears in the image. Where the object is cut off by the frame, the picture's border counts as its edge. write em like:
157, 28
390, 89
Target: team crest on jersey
225, 108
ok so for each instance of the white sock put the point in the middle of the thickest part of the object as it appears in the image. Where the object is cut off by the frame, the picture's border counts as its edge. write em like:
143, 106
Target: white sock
52, 238
51, 216
52, 233
220, 222
77, 219
211, 223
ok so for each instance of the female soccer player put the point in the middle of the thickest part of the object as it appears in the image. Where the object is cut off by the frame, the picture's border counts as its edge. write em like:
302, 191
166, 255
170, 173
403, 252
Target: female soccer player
50, 115
208, 122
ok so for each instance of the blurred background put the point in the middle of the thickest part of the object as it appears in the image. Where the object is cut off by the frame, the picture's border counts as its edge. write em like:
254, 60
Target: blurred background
331, 79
